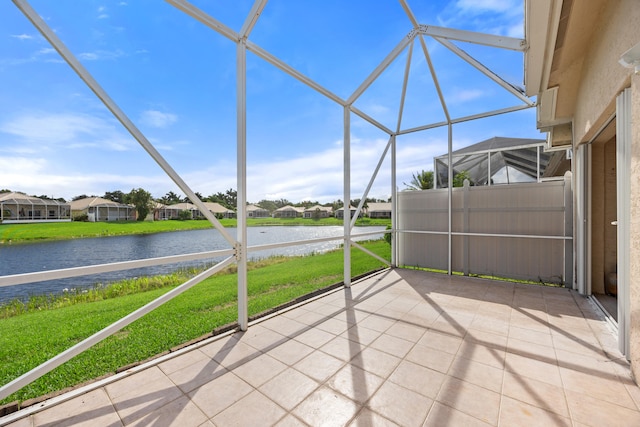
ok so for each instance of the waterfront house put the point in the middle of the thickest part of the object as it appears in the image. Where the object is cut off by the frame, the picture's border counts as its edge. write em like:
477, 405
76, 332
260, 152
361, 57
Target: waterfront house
379, 210
318, 211
220, 211
254, 211
17, 207
288, 212
99, 209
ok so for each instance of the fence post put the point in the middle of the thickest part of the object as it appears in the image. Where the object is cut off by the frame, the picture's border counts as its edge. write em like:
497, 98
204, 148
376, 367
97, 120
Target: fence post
465, 228
568, 231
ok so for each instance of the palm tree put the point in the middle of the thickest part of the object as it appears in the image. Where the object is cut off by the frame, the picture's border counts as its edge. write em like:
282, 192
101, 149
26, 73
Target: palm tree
422, 180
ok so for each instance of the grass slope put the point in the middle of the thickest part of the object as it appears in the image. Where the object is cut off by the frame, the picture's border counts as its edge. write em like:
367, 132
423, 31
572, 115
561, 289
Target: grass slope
29, 339
20, 233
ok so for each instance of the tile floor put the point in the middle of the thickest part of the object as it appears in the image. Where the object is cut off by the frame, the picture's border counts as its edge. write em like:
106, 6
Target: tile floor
402, 348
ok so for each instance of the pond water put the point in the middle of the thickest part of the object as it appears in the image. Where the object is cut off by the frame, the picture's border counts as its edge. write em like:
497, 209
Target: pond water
30, 257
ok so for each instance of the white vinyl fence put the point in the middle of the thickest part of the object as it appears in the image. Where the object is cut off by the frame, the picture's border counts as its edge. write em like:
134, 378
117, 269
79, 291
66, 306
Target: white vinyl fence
517, 231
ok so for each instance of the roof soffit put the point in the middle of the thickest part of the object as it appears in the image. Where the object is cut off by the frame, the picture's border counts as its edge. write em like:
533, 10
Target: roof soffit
577, 26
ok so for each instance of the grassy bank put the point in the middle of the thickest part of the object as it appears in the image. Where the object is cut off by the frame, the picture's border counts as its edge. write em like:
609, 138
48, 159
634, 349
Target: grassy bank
31, 338
21, 233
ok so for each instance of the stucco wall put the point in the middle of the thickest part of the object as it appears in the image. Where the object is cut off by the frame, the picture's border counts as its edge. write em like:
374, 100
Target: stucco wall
602, 75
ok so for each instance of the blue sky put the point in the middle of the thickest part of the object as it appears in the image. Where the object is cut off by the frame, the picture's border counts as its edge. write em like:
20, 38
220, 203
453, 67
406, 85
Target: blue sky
176, 80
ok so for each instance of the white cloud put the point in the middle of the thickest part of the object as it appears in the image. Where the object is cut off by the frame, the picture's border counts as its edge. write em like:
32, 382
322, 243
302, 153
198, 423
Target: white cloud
41, 131
157, 119
496, 6
103, 16
22, 36
465, 95
101, 55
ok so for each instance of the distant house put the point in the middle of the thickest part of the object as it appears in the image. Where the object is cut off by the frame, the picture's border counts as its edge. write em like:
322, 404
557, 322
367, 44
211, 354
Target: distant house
288, 212
20, 208
162, 212
254, 211
318, 211
219, 210
99, 209
340, 212
379, 210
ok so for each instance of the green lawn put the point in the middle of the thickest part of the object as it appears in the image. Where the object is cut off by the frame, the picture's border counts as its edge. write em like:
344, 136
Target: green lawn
29, 339
18, 233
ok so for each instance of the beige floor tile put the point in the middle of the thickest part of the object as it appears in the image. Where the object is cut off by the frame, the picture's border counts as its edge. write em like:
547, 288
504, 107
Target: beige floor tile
595, 412
486, 339
27, 422
310, 318
603, 387
182, 361
141, 398
516, 413
252, 410
261, 338
375, 361
91, 409
442, 415
532, 350
449, 327
417, 378
400, 405
368, 418
532, 368
179, 413
196, 374
588, 363
259, 370
314, 338
377, 323
285, 326
319, 366
529, 335
495, 326
352, 316
361, 335
440, 341
487, 355
471, 399
536, 393
342, 348
289, 388
421, 317
217, 395
235, 354
137, 381
221, 345
430, 358
326, 407
406, 331
477, 373
395, 346
333, 326
290, 421
290, 352
355, 383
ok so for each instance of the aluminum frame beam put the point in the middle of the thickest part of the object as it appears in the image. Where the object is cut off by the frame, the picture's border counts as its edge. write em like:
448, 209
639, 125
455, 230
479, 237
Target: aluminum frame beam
502, 42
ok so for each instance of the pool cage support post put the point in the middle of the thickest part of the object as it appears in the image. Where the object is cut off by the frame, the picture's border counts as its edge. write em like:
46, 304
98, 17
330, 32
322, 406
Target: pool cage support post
241, 246
347, 197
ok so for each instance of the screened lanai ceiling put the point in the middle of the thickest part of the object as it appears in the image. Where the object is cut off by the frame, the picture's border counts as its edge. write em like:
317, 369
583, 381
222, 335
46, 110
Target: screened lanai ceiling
498, 155
387, 76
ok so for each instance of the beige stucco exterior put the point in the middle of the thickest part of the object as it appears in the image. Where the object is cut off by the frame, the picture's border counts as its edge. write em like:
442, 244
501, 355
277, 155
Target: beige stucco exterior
573, 66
